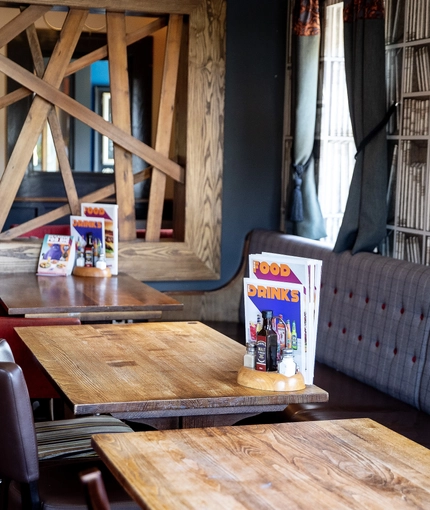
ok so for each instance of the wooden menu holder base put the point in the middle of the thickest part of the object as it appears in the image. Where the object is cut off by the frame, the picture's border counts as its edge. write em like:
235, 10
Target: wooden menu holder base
92, 271
270, 381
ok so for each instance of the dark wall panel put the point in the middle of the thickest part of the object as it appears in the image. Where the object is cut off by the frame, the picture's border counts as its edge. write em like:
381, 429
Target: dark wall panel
255, 73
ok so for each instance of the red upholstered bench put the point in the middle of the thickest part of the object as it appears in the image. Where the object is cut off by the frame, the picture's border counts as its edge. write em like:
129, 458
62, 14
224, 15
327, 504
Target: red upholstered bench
37, 382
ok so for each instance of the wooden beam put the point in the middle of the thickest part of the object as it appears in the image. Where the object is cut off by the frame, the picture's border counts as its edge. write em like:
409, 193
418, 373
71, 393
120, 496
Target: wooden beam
38, 113
89, 59
57, 135
21, 22
165, 125
60, 212
145, 6
120, 103
77, 110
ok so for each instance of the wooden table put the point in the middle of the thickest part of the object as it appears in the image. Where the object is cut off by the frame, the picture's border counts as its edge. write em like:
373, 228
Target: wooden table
88, 298
344, 464
177, 373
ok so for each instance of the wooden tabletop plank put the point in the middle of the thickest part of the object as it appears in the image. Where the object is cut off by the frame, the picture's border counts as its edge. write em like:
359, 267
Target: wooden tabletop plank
151, 369
27, 293
344, 464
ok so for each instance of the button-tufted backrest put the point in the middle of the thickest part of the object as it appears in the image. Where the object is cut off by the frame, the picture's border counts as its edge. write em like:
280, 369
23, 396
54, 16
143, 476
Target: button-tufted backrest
374, 318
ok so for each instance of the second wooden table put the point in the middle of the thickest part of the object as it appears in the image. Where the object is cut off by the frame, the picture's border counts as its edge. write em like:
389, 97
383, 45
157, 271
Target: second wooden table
185, 371
89, 299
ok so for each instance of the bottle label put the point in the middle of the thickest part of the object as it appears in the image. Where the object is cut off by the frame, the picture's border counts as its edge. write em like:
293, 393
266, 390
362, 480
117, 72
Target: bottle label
260, 358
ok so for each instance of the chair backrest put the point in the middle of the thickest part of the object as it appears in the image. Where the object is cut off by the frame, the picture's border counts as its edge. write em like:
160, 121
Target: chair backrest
18, 445
95, 491
6, 353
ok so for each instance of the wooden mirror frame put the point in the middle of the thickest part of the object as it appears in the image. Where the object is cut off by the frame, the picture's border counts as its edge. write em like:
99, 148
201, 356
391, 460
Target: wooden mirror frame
198, 256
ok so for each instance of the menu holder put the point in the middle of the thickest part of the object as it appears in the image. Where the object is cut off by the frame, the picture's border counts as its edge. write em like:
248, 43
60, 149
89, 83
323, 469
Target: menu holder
270, 381
92, 271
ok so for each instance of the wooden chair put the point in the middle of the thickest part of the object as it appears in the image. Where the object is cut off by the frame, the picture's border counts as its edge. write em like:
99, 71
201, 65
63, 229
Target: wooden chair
28, 483
95, 490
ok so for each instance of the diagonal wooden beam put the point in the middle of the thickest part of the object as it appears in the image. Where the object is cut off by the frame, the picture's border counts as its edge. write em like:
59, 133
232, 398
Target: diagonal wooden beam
60, 212
165, 126
79, 111
120, 103
38, 112
57, 135
102, 52
21, 22
89, 59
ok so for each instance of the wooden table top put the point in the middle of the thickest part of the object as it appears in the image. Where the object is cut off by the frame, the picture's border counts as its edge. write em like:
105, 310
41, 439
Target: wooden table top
42, 296
344, 464
150, 369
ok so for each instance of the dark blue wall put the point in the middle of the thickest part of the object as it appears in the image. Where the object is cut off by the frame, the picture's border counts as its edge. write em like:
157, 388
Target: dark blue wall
254, 102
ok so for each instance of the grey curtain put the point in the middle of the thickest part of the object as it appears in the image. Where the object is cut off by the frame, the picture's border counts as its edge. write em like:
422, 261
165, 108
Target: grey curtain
305, 209
364, 221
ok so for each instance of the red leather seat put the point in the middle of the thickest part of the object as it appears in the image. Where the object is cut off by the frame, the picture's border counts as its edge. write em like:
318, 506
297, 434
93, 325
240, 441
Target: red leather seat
37, 382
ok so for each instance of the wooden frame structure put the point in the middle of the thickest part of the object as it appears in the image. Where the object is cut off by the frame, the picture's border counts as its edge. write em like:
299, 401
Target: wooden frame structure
195, 163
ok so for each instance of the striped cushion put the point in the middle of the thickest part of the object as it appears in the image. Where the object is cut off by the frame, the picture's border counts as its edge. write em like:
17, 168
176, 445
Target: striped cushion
72, 438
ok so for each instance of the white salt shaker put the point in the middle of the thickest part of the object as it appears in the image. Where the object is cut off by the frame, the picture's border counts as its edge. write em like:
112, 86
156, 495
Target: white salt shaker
287, 366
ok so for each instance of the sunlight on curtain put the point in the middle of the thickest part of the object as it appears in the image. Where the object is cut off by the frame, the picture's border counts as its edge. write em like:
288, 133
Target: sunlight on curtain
333, 131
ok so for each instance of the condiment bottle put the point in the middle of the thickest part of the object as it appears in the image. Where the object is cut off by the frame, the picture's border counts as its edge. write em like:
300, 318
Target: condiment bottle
281, 331
89, 251
288, 335
267, 345
287, 366
294, 336
249, 358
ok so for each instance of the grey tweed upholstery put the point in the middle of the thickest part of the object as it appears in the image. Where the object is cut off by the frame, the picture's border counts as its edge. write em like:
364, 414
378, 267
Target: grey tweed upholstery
374, 318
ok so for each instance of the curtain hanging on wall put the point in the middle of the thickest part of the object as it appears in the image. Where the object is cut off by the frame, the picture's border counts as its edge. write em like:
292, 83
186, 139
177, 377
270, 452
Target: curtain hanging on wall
364, 222
305, 209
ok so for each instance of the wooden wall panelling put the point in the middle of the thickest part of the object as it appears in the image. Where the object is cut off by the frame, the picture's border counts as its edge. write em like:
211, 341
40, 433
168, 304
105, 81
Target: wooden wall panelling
198, 256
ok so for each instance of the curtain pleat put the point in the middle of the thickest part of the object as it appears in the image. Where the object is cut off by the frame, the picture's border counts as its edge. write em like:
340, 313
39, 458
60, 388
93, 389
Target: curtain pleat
305, 210
364, 222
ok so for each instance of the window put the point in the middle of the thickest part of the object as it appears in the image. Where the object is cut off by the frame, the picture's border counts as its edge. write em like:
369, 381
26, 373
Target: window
334, 141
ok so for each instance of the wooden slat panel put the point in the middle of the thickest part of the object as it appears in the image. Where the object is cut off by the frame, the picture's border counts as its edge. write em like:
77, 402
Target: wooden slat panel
198, 258
39, 110
165, 124
90, 118
147, 6
120, 103
60, 212
21, 22
180, 136
102, 52
57, 135
88, 59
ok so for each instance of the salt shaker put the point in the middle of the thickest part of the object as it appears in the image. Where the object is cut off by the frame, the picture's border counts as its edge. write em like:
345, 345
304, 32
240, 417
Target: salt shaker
287, 365
249, 358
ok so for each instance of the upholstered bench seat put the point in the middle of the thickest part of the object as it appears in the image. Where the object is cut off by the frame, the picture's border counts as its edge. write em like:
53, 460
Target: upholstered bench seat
373, 339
